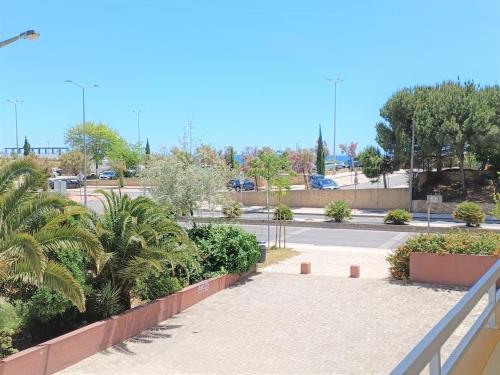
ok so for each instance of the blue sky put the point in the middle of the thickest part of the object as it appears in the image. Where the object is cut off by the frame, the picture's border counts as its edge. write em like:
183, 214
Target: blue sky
245, 73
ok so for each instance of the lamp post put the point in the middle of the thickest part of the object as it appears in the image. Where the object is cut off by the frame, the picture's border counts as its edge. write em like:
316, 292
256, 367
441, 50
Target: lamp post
139, 111
410, 182
29, 34
335, 81
84, 136
15, 102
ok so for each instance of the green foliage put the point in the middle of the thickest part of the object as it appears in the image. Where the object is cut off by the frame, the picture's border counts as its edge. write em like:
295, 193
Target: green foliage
231, 209
72, 162
229, 158
470, 213
105, 301
26, 147
147, 149
320, 155
496, 210
8, 316
338, 211
370, 159
156, 286
457, 242
269, 164
225, 248
282, 212
6, 348
398, 216
34, 227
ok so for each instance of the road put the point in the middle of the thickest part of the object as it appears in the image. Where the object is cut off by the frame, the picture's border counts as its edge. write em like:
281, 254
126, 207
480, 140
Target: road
395, 180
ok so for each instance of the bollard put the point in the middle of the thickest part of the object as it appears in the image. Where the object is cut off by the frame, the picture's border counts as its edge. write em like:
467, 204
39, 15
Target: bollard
354, 271
305, 268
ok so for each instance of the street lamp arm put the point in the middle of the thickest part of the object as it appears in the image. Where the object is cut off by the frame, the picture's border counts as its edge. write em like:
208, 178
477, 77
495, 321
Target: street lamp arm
29, 34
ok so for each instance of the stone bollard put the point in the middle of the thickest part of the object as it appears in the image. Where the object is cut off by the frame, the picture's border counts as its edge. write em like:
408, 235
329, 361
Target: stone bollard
354, 271
305, 268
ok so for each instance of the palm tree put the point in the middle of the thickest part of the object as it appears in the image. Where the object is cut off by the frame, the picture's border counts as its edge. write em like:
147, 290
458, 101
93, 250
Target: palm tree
34, 224
140, 237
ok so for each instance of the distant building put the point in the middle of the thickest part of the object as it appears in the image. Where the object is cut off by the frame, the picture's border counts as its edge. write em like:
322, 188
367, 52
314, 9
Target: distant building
44, 152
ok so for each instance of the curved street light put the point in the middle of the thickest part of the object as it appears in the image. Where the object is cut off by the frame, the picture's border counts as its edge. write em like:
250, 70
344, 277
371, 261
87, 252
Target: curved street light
28, 34
15, 103
84, 136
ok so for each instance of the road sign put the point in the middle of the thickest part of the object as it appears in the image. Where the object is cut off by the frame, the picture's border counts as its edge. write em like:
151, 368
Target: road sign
434, 198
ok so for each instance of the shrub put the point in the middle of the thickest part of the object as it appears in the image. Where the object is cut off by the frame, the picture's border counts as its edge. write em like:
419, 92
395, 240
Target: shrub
397, 216
6, 348
225, 248
496, 210
338, 211
231, 209
157, 285
282, 212
8, 316
470, 213
457, 242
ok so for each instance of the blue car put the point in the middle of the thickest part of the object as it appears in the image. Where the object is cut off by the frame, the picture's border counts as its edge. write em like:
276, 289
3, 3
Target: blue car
235, 185
324, 184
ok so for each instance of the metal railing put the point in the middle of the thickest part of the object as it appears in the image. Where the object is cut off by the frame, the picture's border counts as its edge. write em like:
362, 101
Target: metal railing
428, 350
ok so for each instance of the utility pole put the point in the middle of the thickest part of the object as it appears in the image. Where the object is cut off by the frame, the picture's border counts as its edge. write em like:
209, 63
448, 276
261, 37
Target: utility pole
15, 102
410, 182
335, 81
139, 111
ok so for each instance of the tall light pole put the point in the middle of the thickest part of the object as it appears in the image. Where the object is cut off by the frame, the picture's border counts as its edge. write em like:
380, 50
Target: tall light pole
29, 34
410, 183
84, 136
335, 81
139, 111
15, 102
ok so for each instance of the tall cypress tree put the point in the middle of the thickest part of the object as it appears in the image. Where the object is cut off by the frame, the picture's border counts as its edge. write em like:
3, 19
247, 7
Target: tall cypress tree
320, 155
147, 149
26, 147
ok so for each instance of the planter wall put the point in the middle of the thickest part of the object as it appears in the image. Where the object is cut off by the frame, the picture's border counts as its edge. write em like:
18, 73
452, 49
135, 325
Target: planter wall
63, 351
449, 269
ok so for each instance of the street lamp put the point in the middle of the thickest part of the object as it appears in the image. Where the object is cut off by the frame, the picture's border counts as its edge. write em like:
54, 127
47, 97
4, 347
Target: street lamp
14, 102
335, 81
29, 34
139, 111
410, 183
84, 136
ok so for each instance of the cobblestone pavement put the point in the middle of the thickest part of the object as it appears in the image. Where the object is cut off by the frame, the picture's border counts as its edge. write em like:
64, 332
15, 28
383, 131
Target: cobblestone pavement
286, 323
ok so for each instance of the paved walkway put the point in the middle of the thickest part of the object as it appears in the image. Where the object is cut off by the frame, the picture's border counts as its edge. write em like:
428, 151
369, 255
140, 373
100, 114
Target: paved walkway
280, 322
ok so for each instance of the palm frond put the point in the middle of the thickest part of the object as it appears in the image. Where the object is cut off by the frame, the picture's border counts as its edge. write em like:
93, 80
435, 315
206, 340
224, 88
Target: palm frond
57, 278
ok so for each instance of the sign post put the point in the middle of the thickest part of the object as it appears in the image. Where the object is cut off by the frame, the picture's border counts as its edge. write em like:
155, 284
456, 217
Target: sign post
242, 181
432, 199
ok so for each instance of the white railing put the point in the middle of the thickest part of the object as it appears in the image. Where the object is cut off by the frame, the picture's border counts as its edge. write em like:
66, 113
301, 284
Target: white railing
428, 350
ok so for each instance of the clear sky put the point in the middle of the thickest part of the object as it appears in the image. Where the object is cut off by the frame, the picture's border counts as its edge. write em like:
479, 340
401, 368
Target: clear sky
247, 73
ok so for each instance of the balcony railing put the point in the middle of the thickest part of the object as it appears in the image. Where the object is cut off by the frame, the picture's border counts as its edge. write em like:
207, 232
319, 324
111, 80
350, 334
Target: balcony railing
428, 350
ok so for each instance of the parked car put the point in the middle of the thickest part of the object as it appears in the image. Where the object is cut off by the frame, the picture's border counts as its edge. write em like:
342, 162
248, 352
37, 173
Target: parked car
235, 185
71, 183
108, 175
316, 177
340, 165
324, 184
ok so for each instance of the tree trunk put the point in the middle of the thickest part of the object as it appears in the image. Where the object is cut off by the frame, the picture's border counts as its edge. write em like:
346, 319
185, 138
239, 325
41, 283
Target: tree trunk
284, 235
125, 299
385, 181
305, 180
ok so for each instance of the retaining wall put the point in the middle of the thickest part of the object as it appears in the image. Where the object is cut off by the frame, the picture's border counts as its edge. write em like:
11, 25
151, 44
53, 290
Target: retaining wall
383, 199
447, 207
66, 350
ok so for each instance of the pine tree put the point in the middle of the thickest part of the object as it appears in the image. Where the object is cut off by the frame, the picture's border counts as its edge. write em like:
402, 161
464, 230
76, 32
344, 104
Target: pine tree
26, 147
229, 157
147, 149
320, 155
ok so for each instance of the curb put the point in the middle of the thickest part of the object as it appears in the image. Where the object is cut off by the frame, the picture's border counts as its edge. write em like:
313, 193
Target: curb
344, 225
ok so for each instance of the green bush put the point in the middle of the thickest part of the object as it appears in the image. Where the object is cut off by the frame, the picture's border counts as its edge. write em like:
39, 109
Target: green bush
456, 242
231, 209
225, 248
6, 348
397, 216
282, 212
157, 285
8, 316
470, 213
496, 210
338, 211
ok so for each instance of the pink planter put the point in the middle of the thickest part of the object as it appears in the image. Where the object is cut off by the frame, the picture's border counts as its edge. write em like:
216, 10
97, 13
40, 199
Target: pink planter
449, 269
63, 351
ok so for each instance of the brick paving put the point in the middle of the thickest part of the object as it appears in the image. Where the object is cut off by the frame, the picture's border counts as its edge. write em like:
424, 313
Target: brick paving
284, 323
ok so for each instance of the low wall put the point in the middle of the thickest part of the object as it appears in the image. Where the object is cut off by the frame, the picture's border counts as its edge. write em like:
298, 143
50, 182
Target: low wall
447, 207
383, 199
128, 181
449, 269
63, 351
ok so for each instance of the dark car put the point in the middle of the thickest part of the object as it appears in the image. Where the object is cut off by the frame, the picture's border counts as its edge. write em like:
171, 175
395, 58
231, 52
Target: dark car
324, 184
235, 185
315, 177
108, 175
71, 183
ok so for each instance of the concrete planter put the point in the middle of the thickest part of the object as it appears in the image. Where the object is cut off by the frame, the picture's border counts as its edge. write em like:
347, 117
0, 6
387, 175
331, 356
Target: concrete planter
55, 355
449, 269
